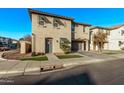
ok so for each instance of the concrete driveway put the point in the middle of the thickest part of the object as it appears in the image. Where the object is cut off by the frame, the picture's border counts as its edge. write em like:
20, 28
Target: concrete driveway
95, 55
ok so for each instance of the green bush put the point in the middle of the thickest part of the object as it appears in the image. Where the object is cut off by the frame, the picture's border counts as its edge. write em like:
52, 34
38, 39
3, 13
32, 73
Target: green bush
65, 45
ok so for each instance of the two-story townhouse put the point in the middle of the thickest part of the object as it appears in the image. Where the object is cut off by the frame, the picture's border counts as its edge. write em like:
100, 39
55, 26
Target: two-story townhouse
80, 37
116, 37
48, 31
93, 31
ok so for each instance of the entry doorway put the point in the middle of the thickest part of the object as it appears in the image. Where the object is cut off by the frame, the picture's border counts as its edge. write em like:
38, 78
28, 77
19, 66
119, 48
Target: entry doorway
76, 46
48, 45
85, 45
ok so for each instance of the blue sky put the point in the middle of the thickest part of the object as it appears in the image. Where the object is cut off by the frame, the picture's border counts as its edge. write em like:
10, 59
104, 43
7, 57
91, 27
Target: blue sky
15, 22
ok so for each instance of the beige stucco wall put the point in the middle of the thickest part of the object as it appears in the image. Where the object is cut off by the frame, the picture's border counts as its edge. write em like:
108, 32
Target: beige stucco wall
79, 32
114, 38
40, 33
23, 47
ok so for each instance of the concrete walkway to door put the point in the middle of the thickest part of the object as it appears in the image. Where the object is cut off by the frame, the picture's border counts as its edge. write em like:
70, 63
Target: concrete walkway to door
52, 57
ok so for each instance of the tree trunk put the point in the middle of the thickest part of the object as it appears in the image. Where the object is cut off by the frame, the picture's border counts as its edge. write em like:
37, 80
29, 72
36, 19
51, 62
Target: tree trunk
94, 46
99, 47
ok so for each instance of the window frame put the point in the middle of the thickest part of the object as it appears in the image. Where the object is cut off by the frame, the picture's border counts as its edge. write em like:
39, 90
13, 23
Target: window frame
122, 32
56, 24
84, 29
42, 20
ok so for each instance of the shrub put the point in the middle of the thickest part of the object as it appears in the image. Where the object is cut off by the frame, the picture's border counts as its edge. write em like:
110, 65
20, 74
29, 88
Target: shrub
65, 45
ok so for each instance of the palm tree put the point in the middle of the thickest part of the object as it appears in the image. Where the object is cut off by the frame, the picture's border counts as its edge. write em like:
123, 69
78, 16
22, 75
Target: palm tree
99, 39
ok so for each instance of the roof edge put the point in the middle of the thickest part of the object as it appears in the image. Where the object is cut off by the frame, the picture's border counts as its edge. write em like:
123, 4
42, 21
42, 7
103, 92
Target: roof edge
116, 27
99, 27
82, 24
48, 14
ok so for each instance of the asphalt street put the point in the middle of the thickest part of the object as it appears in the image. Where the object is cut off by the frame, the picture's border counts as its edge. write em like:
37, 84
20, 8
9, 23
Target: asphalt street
106, 73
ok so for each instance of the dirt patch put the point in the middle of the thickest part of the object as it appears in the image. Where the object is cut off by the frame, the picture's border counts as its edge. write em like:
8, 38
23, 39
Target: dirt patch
15, 55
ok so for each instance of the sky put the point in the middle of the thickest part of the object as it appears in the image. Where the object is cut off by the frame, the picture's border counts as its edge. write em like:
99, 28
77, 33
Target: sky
15, 22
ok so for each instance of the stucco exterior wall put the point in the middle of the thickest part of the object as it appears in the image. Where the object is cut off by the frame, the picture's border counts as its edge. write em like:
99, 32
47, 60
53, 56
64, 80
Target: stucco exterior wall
40, 33
114, 38
79, 32
23, 47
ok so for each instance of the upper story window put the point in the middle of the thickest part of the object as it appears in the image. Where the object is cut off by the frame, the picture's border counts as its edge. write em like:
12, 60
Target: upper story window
84, 29
43, 20
57, 22
122, 32
108, 32
120, 43
73, 27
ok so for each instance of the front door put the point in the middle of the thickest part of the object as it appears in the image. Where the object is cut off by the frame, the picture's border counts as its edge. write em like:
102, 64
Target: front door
80, 46
48, 46
77, 46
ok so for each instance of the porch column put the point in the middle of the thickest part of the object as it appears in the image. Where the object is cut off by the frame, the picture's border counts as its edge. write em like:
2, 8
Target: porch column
87, 45
82, 46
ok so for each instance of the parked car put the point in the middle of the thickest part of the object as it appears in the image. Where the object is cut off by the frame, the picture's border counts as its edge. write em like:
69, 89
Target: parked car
4, 48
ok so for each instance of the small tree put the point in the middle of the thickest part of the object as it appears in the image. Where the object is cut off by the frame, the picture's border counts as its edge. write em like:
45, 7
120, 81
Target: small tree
26, 38
99, 40
65, 45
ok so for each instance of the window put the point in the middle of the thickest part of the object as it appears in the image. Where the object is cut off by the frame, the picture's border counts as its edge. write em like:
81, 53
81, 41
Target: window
73, 27
120, 43
122, 32
56, 24
108, 32
42, 21
84, 28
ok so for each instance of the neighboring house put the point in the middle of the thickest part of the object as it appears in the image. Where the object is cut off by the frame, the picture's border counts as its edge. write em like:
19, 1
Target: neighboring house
49, 30
8, 42
5, 41
80, 37
116, 37
93, 31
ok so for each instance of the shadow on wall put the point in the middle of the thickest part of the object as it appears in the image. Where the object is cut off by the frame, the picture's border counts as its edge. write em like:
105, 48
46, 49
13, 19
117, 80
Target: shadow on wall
80, 79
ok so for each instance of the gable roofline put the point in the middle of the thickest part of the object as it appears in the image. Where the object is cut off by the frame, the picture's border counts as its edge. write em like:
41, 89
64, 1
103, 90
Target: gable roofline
116, 26
82, 24
48, 14
99, 27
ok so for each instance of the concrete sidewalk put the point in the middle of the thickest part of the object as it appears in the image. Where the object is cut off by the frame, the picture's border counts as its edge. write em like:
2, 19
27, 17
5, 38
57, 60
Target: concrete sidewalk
14, 68
52, 57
